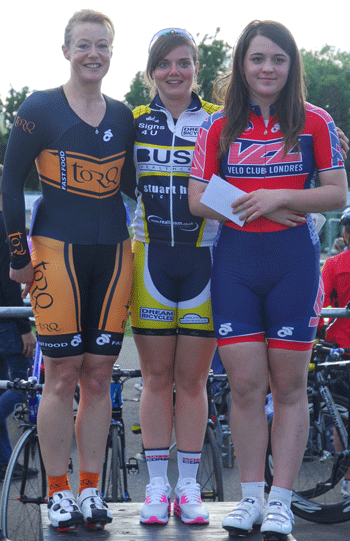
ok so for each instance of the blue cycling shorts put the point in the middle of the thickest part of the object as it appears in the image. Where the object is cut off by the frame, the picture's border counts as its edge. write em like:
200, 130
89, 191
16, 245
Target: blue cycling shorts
267, 287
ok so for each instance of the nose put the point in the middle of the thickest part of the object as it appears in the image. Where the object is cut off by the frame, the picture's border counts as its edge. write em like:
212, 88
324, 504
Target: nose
93, 51
268, 65
173, 67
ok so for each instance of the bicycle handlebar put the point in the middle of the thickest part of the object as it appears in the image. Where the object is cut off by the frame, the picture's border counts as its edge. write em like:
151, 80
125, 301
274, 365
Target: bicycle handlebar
21, 385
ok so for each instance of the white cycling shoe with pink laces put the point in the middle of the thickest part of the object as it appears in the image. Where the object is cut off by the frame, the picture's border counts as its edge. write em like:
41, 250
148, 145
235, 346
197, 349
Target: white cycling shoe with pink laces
156, 509
188, 503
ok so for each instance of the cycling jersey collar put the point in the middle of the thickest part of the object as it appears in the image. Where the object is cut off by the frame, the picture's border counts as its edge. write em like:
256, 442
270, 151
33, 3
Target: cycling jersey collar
195, 105
257, 109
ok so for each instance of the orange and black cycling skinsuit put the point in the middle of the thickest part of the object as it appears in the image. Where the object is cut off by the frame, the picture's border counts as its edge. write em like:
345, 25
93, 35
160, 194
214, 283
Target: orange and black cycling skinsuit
81, 247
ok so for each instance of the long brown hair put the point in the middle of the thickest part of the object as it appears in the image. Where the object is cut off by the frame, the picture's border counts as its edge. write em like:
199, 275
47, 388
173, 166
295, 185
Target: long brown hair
290, 104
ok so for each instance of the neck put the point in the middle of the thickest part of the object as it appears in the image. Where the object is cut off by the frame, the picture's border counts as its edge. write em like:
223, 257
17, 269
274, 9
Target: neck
84, 93
176, 106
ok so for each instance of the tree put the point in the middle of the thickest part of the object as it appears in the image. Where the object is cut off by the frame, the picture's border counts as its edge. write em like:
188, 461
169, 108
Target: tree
328, 84
138, 93
214, 59
214, 56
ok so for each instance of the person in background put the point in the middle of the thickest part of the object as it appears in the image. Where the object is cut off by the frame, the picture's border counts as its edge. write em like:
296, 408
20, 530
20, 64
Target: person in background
170, 310
17, 345
266, 288
80, 271
336, 280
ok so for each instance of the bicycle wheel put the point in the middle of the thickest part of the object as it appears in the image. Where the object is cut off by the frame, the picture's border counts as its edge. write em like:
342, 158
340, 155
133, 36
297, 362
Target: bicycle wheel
21, 497
111, 479
209, 474
314, 497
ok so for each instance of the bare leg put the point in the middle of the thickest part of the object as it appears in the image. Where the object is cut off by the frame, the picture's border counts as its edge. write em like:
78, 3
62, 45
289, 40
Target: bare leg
247, 370
94, 413
55, 416
156, 355
290, 428
192, 362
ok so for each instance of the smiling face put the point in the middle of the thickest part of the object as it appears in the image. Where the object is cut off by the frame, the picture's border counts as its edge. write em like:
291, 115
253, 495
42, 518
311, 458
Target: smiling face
89, 52
266, 69
174, 75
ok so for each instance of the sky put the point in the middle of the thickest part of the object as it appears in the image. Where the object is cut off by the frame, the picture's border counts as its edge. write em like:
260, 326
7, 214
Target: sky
31, 33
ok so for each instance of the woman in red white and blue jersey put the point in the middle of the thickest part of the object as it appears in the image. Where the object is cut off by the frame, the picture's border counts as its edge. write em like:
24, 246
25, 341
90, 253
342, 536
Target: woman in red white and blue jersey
266, 288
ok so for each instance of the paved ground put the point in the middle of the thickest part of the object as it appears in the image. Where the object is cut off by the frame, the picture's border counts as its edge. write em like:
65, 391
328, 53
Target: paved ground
303, 530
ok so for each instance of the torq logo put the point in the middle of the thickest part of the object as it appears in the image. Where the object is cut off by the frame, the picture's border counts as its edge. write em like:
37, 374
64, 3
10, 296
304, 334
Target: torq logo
163, 156
225, 328
76, 340
107, 136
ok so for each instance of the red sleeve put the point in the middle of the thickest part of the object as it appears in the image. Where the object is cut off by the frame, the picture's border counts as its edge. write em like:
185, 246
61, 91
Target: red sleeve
205, 159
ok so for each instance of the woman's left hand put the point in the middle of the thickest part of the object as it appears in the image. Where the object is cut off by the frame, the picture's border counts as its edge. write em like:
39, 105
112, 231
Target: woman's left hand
258, 203
344, 143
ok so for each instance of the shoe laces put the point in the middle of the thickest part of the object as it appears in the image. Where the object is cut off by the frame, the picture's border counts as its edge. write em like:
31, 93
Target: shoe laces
191, 491
156, 490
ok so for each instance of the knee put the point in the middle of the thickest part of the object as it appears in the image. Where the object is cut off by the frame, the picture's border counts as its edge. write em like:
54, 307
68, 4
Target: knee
96, 382
289, 392
158, 378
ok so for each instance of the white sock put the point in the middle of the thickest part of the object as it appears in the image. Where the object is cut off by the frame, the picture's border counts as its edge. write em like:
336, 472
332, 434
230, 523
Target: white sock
188, 464
280, 494
157, 463
254, 490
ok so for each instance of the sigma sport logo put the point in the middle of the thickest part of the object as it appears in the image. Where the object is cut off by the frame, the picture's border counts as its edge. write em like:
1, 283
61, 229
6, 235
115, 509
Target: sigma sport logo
225, 328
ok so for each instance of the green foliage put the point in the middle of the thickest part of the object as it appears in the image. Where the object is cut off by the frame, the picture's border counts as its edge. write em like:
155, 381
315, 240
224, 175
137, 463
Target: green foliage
328, 84
138, 93
214, 60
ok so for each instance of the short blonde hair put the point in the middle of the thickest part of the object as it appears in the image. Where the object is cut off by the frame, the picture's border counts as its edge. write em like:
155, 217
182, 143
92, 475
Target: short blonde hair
87, 16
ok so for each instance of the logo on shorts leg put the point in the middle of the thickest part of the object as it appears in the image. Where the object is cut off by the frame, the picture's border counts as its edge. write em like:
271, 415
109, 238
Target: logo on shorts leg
153, 314
225, 328
285, 331
76, 340
190, 319
103, 339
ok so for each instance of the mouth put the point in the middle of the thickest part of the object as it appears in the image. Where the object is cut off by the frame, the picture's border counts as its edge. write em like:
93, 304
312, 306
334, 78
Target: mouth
92, 66
174, 83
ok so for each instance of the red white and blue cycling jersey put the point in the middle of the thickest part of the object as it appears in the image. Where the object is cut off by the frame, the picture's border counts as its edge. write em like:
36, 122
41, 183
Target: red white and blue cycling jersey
266, 282
255, 159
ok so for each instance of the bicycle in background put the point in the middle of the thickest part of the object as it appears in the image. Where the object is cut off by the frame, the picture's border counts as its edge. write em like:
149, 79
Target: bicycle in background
317, 491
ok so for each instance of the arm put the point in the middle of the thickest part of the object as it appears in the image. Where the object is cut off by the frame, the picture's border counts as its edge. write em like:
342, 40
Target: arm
331, 195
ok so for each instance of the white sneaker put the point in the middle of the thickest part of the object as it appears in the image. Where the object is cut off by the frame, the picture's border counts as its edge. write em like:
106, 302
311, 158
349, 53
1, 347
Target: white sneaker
188, 503
345, 489
278, 520
156, 509
247, 514
94, 509
64, 513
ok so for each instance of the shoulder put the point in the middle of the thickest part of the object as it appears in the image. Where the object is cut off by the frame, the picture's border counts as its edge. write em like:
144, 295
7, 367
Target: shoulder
317, 114
210, 108
141, 110
118, 107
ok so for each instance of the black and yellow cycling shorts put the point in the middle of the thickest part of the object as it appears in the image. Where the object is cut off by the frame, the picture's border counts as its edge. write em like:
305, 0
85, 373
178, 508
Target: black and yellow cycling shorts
171, 290
80, 296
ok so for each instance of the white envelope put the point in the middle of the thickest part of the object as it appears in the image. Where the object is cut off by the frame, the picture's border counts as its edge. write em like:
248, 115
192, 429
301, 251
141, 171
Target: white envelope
219, 196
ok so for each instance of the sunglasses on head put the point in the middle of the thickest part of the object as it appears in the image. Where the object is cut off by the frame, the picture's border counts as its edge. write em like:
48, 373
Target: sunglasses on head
167, 31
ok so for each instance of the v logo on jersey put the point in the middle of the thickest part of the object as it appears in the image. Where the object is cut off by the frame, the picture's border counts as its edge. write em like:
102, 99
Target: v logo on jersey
254, 153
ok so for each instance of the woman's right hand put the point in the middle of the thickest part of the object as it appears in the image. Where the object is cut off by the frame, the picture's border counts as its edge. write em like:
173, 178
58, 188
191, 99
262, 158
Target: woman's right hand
23, 276
285, 216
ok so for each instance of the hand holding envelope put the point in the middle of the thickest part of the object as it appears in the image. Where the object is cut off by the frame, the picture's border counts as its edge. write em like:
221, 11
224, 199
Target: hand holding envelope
219, 196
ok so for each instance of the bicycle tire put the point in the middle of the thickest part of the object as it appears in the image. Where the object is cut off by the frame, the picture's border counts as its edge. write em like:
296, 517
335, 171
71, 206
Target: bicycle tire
210, 476
314, 499
111, 487
21, 498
